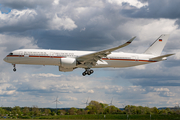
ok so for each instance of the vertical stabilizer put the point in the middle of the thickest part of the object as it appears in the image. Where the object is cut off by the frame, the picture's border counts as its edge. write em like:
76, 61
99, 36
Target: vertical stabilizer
157, 47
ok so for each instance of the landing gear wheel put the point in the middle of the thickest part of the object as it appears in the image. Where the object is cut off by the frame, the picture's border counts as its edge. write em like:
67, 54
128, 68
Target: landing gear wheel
84, 73
14, 69
14, 65
87, 72
91, 71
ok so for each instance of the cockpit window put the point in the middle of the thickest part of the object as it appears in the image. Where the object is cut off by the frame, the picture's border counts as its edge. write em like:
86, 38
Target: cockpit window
10, 53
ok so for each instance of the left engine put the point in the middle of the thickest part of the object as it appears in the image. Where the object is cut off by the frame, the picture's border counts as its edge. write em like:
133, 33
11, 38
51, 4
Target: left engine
67, 64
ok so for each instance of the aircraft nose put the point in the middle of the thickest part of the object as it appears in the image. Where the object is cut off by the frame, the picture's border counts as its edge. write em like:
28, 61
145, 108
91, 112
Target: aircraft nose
5, 59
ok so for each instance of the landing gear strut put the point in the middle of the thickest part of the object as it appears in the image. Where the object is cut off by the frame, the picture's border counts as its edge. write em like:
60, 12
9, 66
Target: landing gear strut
14, 65
87, 72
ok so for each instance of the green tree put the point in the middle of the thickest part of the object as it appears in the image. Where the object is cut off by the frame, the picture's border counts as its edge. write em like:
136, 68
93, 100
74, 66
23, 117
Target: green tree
163, 112
112, 110
53, 113
72, 111
103, 105
2, 112
80, 111
25, 111
35, 110
95, 107
169, 112
154, 110
133, 109
47, 111
16, 111
146, 110
61, 112
128, 109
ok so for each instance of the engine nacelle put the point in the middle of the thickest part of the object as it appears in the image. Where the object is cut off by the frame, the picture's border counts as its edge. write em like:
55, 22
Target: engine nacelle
68, 62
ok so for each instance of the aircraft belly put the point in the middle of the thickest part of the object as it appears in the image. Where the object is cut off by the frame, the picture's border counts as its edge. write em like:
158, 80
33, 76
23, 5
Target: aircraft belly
34, 61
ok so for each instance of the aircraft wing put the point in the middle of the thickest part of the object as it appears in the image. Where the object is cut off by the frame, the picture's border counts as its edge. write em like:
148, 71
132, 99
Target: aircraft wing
92, 58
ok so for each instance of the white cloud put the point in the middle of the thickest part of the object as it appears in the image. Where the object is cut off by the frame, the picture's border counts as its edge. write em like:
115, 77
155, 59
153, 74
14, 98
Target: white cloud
90, 91
176, 55
83, 29
169, 94
56, 2
10, 92
17, 17
12, 42
140, 67
135, 3
65, 23
6, 91
71, 98
45, 75
161, 89
163, 26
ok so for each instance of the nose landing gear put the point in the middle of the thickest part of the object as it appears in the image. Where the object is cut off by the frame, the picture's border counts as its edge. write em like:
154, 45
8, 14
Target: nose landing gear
87, 72
14, 65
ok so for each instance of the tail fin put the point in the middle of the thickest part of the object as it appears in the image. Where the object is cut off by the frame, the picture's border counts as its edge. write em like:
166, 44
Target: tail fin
157, 47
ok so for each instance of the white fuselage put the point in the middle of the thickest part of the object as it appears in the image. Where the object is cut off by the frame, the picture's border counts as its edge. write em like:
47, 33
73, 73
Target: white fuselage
52, 57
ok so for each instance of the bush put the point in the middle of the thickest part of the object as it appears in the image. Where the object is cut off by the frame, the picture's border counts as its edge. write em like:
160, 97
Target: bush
25, 117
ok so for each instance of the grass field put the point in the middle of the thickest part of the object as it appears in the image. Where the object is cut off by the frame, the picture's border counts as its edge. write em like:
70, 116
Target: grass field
115, 117
104, 119
99, 119
107, 117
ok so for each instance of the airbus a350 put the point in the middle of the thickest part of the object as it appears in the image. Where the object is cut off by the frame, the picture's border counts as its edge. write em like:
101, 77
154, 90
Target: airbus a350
68, 60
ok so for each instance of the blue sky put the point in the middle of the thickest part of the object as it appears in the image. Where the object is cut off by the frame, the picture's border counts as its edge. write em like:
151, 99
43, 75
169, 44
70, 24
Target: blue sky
5, 10
89, 25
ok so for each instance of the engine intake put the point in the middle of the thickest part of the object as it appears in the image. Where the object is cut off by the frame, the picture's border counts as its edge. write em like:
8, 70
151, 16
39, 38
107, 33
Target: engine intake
68, 62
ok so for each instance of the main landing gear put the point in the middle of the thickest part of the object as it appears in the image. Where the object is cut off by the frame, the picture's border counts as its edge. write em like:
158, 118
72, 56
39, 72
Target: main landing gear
14, 65
87, 72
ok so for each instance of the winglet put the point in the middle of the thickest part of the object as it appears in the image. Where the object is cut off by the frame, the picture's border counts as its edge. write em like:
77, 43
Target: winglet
131, 40
125, 44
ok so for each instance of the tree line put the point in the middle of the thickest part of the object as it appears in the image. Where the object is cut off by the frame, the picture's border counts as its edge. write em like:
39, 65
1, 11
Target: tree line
93, 107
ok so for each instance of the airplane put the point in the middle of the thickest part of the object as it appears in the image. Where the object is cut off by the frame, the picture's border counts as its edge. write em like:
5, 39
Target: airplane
68, 60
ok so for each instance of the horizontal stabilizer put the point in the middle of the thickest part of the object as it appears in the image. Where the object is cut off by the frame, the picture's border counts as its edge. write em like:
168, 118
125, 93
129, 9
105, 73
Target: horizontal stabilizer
162, 57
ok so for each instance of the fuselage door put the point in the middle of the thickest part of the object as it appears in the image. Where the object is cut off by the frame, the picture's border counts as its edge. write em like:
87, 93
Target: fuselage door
21, 54
52, 54
135, 58
26, 54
